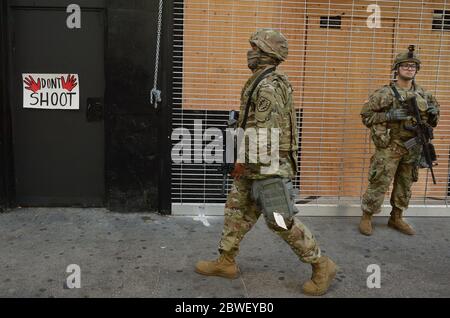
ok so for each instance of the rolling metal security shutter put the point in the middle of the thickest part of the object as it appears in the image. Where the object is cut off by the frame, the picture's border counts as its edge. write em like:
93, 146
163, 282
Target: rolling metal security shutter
335, 61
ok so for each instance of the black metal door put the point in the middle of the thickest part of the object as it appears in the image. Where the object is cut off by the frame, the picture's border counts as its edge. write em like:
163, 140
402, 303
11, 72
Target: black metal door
58, 153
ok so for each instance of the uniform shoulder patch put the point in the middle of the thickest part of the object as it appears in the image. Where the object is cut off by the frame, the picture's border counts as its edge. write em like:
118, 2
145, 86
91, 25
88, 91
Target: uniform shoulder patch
263, 104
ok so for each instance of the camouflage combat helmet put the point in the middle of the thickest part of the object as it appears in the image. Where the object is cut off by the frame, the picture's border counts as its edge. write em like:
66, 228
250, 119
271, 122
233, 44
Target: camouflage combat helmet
271, 42
409, 56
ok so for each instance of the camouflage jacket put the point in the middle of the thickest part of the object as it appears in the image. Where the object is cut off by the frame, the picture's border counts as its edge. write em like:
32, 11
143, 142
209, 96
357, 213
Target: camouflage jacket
271, 107
385, 133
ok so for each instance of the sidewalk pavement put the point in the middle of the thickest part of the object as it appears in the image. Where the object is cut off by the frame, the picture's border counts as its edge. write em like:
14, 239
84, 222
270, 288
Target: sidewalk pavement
149, 255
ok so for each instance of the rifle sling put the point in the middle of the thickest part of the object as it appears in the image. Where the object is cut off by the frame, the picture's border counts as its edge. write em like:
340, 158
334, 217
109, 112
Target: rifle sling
397, 94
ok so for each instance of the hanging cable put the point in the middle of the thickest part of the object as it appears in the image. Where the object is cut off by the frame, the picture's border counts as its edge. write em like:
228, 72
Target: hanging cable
155, 94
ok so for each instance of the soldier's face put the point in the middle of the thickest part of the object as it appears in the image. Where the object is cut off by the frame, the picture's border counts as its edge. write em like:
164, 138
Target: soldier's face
407, 70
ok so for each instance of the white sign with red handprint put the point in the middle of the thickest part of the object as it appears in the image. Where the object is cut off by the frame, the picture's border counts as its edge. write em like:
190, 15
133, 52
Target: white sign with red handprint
51, 91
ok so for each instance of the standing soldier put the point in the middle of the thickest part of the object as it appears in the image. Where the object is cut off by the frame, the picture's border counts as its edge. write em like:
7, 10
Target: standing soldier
266, 103
390, 126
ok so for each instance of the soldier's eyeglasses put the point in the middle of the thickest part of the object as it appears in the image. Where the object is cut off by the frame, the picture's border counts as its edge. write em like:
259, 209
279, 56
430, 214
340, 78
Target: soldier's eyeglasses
412, 66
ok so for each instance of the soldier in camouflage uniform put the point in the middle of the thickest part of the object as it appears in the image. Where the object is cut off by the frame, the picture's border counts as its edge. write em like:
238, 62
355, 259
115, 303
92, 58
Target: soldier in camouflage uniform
386, 118
271, 106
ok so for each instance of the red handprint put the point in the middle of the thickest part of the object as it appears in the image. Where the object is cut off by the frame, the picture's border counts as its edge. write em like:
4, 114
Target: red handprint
69, 83
32, 84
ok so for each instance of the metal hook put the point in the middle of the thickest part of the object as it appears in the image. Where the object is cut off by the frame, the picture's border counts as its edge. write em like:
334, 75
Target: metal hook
156, 94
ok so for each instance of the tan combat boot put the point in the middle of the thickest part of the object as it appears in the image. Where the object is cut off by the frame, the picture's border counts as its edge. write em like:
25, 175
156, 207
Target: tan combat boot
224, 266
365, 225
324, 272
396, 222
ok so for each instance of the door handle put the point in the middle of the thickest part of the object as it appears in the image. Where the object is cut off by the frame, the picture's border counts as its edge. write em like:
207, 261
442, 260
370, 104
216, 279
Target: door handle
94, 110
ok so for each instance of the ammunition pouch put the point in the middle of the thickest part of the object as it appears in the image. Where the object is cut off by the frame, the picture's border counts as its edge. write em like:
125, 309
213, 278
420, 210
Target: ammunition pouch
275, 195
381, 135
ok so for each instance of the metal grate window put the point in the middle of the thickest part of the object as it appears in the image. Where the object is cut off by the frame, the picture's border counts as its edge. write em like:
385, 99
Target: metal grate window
330, 22
441, 20
332, 69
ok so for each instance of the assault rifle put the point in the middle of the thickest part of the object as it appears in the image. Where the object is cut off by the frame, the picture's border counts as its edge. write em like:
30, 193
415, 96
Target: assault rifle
227, 167
424, 135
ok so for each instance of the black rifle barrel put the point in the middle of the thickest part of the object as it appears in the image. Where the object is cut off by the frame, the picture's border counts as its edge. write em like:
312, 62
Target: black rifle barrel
424, 136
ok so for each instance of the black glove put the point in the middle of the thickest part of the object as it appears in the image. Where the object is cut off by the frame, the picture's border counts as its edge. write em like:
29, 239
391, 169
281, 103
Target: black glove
432, 110
396, 114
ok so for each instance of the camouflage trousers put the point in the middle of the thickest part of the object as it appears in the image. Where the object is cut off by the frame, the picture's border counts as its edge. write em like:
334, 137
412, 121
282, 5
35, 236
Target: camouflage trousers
393, 164
242, 212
